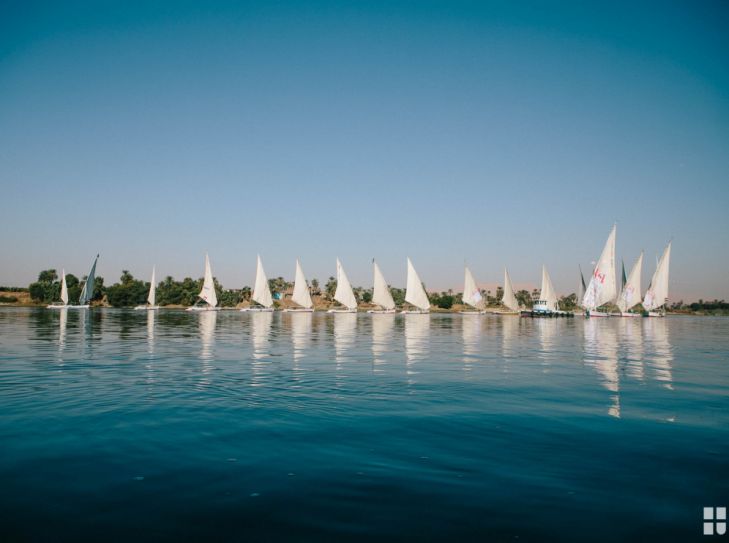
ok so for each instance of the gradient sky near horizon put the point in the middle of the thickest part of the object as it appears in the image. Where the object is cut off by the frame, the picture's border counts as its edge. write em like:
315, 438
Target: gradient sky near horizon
502, 133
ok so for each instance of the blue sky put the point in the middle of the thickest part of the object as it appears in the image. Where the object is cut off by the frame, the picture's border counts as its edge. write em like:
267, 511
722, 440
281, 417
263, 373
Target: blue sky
500, 133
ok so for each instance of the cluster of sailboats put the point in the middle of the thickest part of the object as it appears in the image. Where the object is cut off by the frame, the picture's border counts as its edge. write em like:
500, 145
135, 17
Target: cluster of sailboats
601, 291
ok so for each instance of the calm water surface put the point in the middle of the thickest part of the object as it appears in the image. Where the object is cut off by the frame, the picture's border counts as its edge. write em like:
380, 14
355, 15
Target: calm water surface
256, 427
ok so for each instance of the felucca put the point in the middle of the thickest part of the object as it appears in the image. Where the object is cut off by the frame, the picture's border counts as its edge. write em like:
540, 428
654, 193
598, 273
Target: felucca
546, 305
64, 294
602, 288
508, 299
415, 294
152, 296
207, 293
630, 294
344, 293
381, 295
301, 295
471, 295
261, 291
655, 299
87, 292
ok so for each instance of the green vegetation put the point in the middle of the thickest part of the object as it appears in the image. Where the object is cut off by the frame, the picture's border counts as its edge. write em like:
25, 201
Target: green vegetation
8, 299
48, 287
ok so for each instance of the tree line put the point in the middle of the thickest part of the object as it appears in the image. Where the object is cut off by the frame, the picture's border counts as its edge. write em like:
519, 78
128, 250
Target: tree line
129, 292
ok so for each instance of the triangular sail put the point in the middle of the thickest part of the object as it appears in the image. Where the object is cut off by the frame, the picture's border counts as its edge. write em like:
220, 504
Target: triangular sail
623, 278
152, 298
64, 288
381, 294
509, 299
261, 290
471, 293
301, 294
88, 291
630, 295
208, 289
602, 288
415, 293
581, 288
344, 294
658, 290
548, 294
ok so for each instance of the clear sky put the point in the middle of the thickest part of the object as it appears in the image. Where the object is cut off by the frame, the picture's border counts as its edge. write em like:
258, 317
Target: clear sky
505, 133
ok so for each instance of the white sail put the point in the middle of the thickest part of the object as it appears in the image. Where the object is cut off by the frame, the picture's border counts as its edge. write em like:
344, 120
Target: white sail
64, 288
415, 293
88, 291
471, 293
630, 295
301, 294
603, 286
344, 294
380, 292
548, 293
658, 290
261, 290
208, 289
509, 299
152, 298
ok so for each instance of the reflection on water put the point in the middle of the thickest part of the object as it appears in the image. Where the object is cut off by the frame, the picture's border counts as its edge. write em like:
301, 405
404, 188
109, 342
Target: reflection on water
206, 324
345, 327
62, 316
417, 337
547, 331
601, 353
150, 332
261, 322
631, 338
382, 338
300, 333
656, 336
471, 335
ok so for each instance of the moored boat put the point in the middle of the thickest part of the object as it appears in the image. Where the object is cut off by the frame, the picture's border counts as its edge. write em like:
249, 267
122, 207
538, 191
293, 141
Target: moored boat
301, 295
151, 297
207, 293
261, 292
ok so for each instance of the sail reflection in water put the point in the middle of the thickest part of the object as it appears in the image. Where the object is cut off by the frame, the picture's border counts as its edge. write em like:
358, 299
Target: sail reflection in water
300, 334
150, 332
509, 331
631, 338
601, 353
471, 334
345, 328
382, 326
417, 333
655, 332
260, 323
207, 320
547, 330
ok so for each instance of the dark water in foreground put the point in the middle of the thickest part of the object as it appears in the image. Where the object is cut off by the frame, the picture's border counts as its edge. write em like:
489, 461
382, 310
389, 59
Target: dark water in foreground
122, 425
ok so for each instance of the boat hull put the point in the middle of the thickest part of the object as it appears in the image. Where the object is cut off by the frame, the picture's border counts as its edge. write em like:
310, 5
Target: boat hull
57, 306
415, 312
299, 310
630, 315
197, 308
382, 311
146, 308
257, 310
342, 311
591, 314
546, 314
654, 314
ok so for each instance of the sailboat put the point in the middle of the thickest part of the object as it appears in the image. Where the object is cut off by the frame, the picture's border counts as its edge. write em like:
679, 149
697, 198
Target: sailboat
301, 295
629, 296
472, 295
207, 293
657, 295
381, 295
64, 294
546, 305
152, 296
415, 293
581, 288
87, 292
344, 293
602, 288
261, 291
509, 298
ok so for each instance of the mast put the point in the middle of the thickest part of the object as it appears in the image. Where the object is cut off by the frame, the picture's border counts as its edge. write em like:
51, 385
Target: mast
657, 294
415, 293
344, 293
602, 287
207, 293
261, 289
381, 294
301, 293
